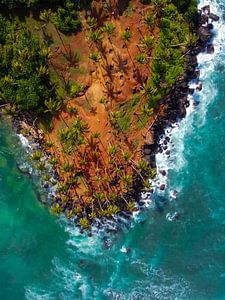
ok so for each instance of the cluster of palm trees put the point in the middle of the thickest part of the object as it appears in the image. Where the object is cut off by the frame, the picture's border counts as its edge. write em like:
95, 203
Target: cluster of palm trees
92, 190
96, 174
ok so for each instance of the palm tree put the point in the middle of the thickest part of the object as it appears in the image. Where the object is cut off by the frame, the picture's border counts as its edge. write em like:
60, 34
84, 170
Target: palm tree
141, 58
94, 56
92, 22
112, 210
147, 43
53, 105
56, 209
128, 181
83, 222
131, 206
96, 36
73, 137
147, 185
113, 150
109, 29
67, 167
126, 36
99, 197
47, 17
149, 20
142, 165
146, 110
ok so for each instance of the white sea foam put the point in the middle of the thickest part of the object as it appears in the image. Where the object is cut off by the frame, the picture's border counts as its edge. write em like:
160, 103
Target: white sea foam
24, 141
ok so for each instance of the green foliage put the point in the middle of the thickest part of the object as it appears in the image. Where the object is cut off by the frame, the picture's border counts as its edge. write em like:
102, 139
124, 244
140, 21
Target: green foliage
92, 22
169, 60
37, 155
95, 36
112, 210
53, 105
147, 42
94, 55
56, 209
67, 167
53, 161
149, 19
73, 88
66, 18
131, 206
109, 28
24, 78
83, 222
73, 137
141, 58
126, 35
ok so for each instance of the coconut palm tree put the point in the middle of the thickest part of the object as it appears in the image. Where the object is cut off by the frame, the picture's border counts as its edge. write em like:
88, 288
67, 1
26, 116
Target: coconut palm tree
126, 37
149, 20
147, 185
95, 36
84, 223
47, 17
147, 43
112, 210
141, 58
99, 198
146, 110
94, 56
56, 209
131, 206
53, 105
92, 22
127, 180
109, 29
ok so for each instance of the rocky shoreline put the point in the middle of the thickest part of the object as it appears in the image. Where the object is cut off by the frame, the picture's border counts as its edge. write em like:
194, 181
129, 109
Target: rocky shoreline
24, 124
176, 102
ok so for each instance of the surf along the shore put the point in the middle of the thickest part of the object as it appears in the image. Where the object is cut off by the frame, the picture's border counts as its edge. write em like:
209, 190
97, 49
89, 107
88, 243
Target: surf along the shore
174, 106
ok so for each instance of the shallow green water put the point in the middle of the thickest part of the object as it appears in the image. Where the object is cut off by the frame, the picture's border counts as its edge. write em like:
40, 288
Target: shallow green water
44, 258
30, 237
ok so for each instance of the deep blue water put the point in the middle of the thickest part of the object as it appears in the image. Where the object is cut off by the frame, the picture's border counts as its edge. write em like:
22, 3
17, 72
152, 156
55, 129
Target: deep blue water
44, 258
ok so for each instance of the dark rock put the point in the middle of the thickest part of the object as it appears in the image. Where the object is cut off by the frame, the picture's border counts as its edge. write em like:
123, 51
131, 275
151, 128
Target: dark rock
206, 9
210, 49
147, 158
191, 91
182, 110
163, 172
168, 152
204, 34
199, 87
196, 103
176, 216
162, 187
210, 26
146, 151
214, 17
203, 19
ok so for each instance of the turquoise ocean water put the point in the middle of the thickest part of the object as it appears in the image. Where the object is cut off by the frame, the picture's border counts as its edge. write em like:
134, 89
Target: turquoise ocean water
42, 257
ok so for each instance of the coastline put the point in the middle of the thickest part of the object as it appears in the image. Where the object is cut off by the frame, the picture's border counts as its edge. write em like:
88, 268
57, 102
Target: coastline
175, 104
